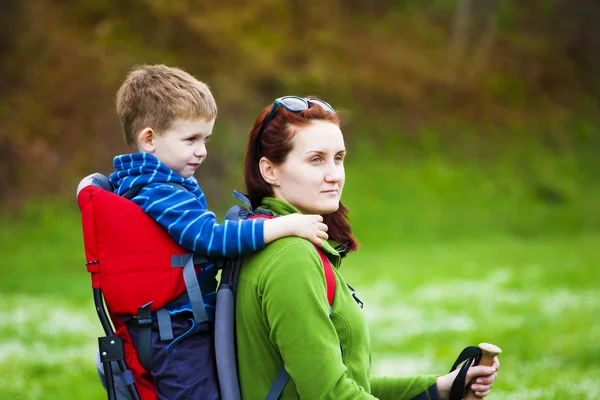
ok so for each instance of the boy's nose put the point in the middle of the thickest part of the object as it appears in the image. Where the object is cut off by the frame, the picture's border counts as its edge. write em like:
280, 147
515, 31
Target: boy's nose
200, 151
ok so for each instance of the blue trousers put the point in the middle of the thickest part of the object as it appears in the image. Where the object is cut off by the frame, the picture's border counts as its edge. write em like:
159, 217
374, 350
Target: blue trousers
183, 368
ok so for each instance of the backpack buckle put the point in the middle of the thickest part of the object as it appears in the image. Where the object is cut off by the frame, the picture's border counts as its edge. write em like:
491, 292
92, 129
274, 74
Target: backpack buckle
144, 316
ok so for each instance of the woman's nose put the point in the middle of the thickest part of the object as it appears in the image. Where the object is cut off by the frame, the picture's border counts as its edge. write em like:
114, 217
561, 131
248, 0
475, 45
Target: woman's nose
334, 173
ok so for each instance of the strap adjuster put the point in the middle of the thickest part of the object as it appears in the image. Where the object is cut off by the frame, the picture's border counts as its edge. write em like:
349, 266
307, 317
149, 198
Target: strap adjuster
144, 316
145, 335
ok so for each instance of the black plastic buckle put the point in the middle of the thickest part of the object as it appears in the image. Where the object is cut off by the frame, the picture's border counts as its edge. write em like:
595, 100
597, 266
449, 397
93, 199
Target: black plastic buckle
111, 348
144, 316
144, 322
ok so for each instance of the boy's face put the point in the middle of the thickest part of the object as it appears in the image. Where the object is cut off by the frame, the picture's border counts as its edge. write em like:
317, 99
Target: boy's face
182, 147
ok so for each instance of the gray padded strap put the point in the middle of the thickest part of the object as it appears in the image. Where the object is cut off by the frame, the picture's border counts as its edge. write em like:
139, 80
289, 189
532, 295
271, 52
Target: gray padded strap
180, 261
97, 180
194, 292
224, 339
239, 196
164, 324
191, 284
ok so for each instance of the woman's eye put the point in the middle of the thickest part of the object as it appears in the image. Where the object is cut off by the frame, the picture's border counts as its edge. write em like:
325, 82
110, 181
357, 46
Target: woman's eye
315, 159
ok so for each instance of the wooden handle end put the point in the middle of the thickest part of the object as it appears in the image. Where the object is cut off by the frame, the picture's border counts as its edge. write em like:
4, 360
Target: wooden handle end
489, 352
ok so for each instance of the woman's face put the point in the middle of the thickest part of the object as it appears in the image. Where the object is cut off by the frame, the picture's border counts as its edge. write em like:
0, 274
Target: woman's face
312, 177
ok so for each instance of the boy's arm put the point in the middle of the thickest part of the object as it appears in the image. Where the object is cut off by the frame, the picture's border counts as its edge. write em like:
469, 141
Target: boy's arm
188, 221
310, 227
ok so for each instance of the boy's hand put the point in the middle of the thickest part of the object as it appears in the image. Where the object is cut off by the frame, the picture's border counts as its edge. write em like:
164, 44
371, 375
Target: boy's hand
310, 227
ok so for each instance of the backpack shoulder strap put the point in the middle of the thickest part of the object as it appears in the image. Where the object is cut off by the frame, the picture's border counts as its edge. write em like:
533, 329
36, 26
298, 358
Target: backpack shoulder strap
329, 276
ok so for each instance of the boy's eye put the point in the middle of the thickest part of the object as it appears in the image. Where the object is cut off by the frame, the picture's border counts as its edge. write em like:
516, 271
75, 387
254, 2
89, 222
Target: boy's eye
207, 139
191, 139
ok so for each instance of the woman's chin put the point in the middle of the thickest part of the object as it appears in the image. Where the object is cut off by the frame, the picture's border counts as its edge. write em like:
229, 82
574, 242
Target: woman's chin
325, 208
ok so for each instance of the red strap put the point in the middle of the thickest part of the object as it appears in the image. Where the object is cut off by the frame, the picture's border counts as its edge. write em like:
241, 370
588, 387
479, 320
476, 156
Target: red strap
264, 216
327, 268
329, 276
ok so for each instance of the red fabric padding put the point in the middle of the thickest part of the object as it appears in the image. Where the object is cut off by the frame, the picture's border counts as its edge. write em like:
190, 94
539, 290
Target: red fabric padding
129, 257
85, 200
132, 251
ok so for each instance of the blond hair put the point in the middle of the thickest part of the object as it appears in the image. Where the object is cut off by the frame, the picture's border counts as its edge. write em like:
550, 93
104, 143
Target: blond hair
156, 95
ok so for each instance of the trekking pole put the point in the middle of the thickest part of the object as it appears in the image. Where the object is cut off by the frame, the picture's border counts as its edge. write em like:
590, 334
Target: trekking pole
489, 351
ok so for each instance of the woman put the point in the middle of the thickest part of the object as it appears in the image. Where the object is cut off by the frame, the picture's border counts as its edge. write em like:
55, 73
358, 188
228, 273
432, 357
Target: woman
295, 163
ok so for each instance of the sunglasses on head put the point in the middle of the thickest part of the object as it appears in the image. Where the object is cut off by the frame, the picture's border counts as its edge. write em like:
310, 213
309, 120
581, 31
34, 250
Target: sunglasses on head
293, 104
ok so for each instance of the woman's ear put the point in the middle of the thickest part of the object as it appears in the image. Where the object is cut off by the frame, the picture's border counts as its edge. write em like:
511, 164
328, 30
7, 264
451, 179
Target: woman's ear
146, 140
268, 171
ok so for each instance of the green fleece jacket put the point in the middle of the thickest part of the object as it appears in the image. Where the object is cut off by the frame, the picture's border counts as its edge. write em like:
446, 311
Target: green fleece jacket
282, 317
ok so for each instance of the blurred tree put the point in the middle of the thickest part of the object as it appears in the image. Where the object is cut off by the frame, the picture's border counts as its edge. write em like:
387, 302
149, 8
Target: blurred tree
10, 20
475, 30
395, 64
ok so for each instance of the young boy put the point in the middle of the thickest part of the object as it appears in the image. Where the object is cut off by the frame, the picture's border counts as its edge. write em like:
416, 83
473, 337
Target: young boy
169, 116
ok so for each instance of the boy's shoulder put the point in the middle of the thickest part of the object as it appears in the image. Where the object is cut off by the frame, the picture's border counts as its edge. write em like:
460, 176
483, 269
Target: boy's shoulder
162, 190
146, 188
171, 186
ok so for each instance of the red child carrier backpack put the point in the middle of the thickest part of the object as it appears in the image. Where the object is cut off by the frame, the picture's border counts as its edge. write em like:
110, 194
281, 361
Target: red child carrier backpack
136, 268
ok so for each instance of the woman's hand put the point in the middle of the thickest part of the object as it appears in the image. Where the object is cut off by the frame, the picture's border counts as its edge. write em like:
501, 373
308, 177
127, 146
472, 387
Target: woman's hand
483, 379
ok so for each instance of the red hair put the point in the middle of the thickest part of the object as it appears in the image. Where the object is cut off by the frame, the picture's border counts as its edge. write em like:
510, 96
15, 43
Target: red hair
276, 144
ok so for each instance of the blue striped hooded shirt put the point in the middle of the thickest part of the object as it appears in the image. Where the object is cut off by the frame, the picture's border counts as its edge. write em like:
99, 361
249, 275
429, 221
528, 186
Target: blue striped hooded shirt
183, 213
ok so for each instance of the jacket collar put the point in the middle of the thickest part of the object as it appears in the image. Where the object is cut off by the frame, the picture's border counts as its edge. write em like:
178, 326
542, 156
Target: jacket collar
280, 207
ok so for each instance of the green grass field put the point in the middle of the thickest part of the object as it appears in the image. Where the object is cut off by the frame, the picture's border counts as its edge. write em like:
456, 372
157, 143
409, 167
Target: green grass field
451, 256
